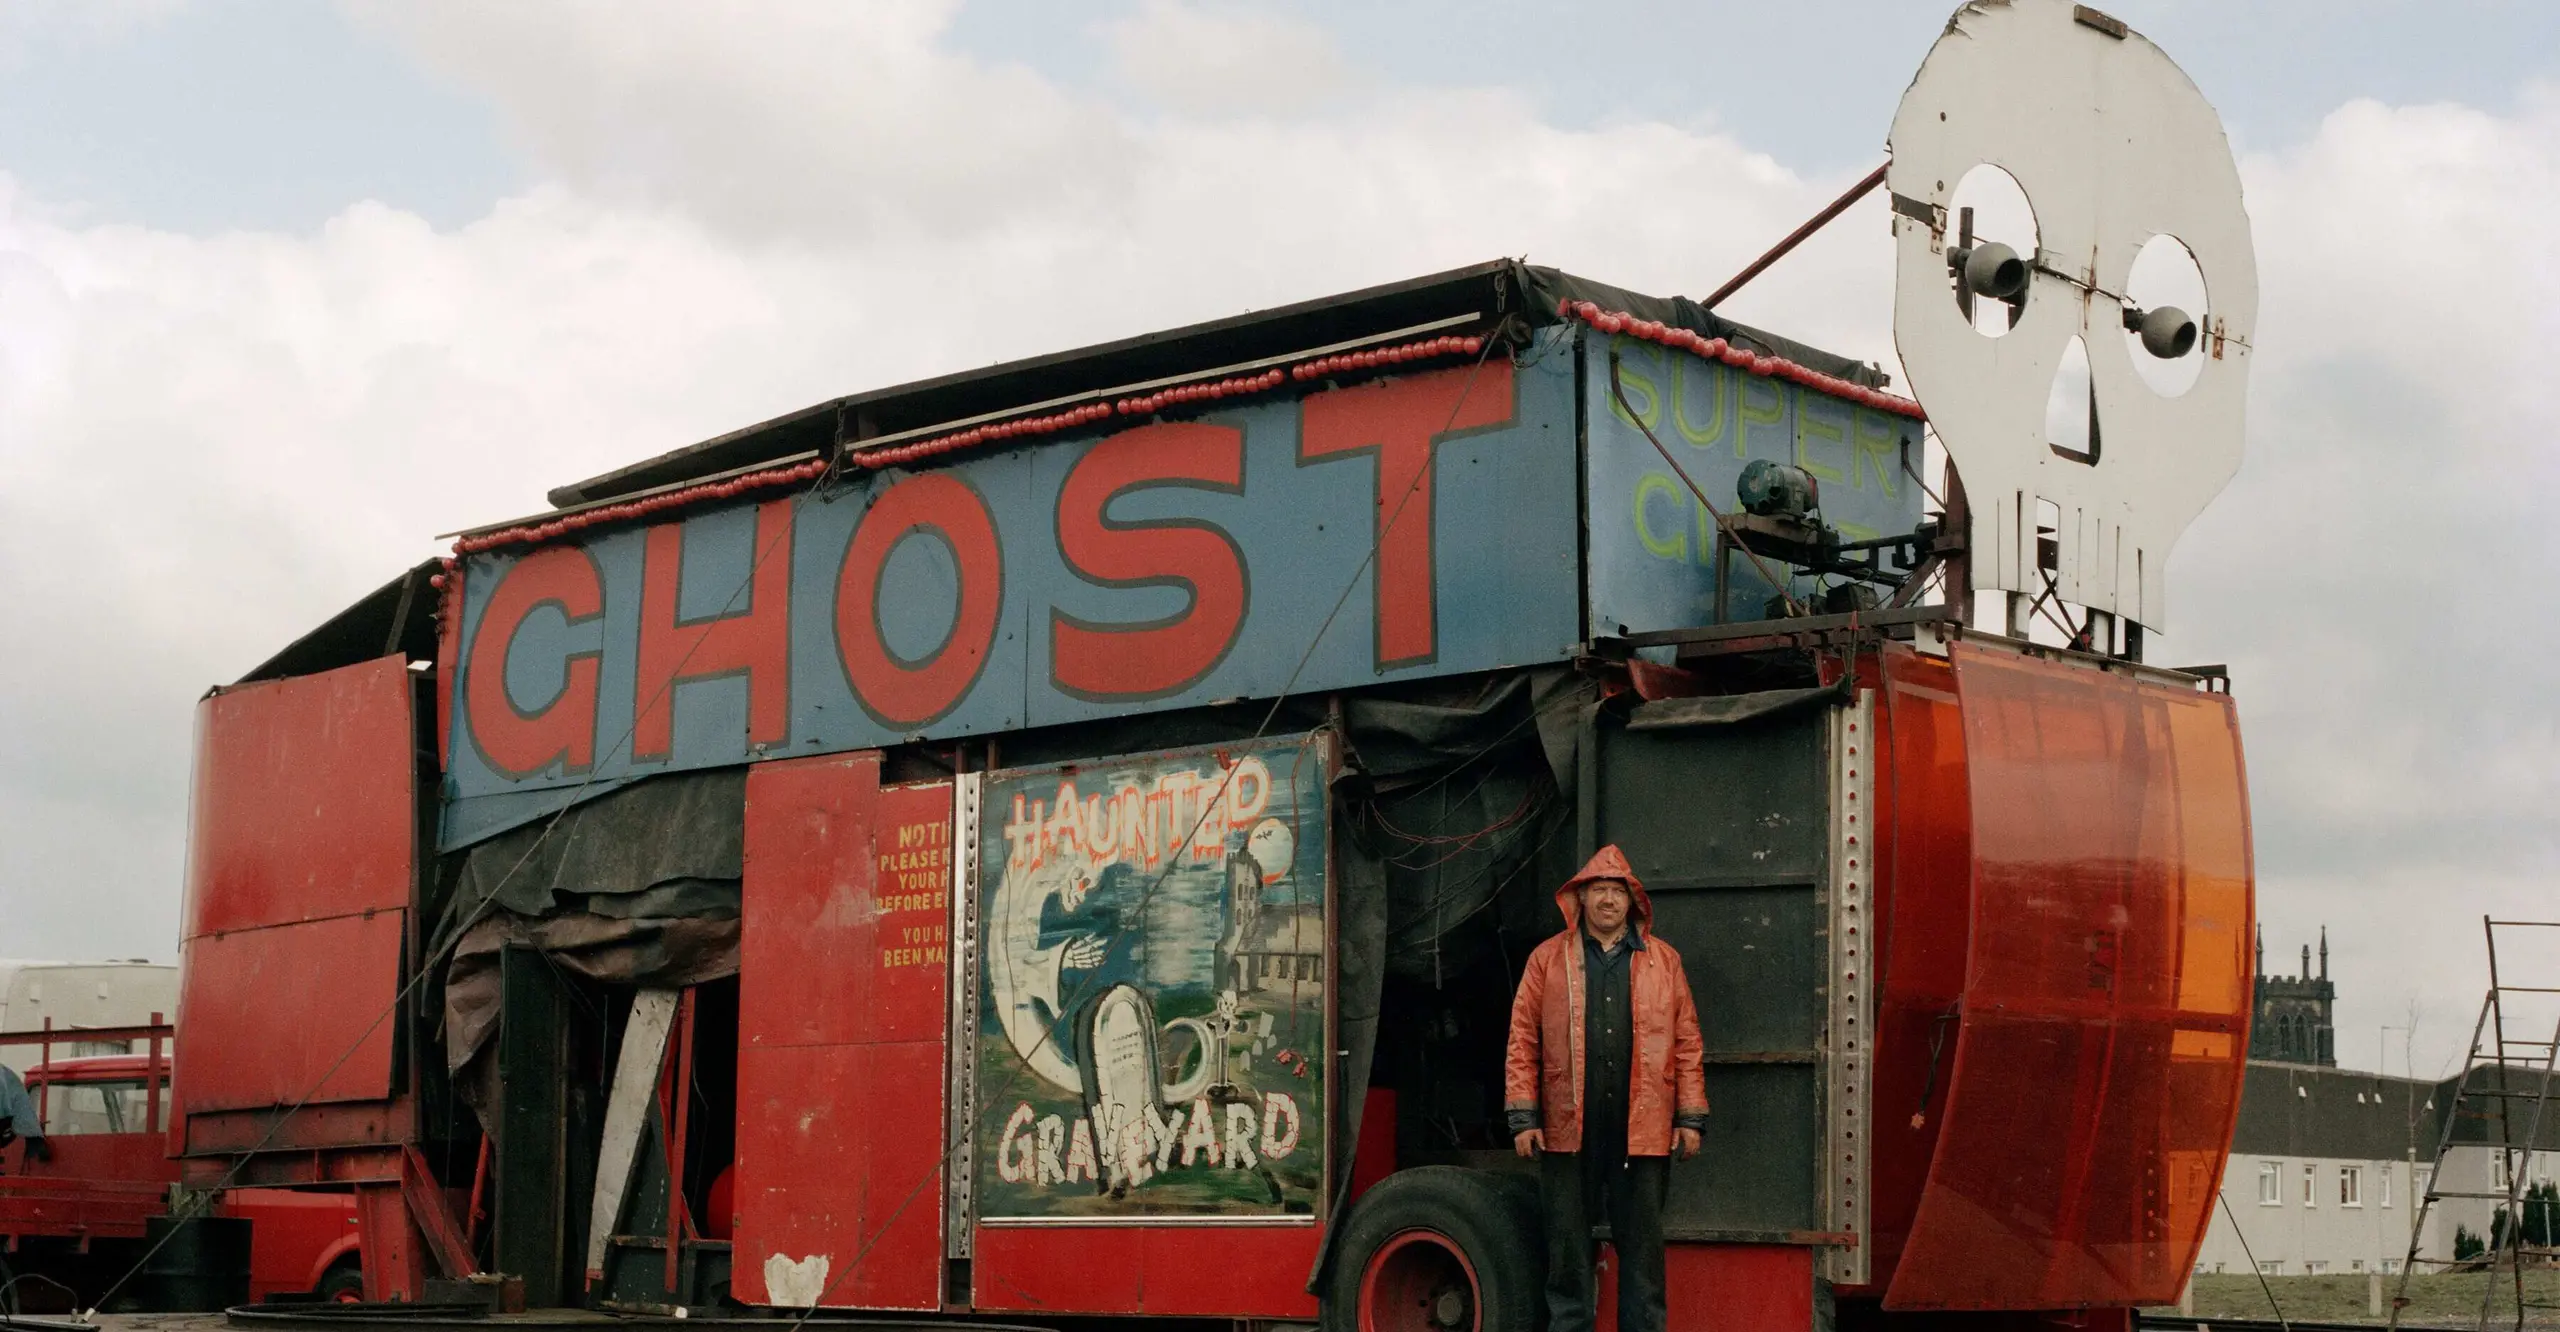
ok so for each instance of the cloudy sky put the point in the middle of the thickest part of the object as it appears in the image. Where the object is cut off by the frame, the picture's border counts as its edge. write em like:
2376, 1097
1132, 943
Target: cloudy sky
288, 287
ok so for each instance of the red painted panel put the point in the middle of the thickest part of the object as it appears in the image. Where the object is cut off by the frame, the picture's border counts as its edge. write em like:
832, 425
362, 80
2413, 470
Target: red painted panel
910, 916
809, 842
291, 1235
839, 1160
2106, 998
1923, 902
1375, 1158
1167, 1270
1732, 1288
138, 1157
1083, 1269
300, 858
303, 806
96, 1185
448, 660
265, 1015
844, 967
395, 1254
317, 1127
38, 1205
1215, 1271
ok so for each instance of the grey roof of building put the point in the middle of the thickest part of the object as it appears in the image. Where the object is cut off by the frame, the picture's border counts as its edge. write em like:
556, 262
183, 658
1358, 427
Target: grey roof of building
2310, 1110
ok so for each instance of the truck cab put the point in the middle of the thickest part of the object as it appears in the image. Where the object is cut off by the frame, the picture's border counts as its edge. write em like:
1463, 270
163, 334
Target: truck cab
81, 1216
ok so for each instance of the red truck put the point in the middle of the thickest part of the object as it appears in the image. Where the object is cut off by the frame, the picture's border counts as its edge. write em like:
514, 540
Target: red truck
76, 1222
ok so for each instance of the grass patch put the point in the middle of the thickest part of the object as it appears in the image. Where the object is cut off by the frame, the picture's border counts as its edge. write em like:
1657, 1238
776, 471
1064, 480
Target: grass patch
2436, 1299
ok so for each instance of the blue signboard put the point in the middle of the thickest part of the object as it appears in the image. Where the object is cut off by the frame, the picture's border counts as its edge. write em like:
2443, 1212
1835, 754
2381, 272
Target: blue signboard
1414, 526
1652, 544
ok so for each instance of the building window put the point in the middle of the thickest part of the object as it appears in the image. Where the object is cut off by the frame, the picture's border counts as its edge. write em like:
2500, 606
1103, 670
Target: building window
2315, 1269
2271, 1267
2391, 1267
2355, 1264
2271, 1183
2388, 1170
2310, 1185
2351, 1186
2217, 1269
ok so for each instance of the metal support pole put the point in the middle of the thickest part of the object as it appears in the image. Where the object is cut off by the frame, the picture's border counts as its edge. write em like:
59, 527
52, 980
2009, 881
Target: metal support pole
678, 1221
151, 1083
1797, 236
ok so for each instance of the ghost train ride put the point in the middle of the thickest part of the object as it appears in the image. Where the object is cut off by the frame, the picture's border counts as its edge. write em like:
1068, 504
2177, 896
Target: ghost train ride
1059, 839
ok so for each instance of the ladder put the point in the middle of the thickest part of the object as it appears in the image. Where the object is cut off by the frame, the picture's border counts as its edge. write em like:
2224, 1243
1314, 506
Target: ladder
2502, 1073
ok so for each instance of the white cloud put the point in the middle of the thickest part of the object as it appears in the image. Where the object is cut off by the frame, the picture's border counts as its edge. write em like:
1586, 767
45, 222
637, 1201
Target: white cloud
206, 445
832, 124
2375, 573
1227, 59
209, 444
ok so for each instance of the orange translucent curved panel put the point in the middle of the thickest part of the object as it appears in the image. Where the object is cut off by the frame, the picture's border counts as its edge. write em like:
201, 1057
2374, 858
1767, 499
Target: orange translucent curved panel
2105, 1009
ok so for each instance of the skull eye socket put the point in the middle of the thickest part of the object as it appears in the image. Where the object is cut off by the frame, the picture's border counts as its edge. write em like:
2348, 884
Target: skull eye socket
1991, 249
2164, 283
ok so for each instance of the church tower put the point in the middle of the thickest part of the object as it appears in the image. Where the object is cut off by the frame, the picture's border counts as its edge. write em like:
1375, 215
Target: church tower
2292, 1024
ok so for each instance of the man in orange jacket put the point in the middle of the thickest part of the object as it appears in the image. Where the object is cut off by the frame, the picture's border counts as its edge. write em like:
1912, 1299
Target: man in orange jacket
1604, 1081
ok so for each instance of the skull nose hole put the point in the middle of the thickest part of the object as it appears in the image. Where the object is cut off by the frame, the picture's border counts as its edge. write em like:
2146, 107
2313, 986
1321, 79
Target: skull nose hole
2070, 408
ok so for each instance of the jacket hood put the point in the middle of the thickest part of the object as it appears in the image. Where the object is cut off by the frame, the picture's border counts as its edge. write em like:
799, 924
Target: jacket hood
1608, 863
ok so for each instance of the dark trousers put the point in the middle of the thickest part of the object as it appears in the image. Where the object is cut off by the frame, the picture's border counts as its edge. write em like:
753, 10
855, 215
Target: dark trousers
1581, 1188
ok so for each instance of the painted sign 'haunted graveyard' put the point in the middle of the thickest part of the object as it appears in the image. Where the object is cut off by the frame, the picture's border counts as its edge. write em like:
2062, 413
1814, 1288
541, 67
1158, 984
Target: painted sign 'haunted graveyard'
1151, 1024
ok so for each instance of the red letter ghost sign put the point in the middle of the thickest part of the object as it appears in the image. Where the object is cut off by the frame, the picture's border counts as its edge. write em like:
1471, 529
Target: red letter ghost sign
1400, 421
519, 741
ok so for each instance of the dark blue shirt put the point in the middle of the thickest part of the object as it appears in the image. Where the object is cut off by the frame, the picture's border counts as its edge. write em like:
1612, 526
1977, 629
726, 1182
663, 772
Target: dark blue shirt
1608, 1041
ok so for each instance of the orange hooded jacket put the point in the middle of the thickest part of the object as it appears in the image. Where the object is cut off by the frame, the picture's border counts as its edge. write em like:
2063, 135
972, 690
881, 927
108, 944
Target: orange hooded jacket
1543, 1072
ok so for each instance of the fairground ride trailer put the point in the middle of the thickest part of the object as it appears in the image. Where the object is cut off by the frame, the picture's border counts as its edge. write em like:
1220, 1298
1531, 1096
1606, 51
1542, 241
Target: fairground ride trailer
1060, 840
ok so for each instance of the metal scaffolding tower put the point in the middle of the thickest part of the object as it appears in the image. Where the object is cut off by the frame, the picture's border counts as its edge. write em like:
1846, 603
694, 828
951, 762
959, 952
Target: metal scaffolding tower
2502, 1073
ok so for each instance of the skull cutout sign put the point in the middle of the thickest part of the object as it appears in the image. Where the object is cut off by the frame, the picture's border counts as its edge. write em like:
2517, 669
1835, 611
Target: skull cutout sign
2112, 145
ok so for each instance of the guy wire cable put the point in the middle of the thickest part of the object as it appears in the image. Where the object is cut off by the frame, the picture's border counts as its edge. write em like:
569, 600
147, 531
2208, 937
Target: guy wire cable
2243, 1237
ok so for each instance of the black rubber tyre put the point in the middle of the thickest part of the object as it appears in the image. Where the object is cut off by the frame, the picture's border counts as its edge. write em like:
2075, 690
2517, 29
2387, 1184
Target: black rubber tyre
343, 1283
1438, 1249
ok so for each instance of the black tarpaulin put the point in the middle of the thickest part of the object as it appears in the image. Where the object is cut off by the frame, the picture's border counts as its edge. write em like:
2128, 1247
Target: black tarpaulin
680, 828
1360, 943
660, 952
1453, 816
636, 887
1727, 709
1446, 817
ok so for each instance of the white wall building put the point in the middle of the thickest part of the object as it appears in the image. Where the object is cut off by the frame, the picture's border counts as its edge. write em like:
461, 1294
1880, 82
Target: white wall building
81, 994
2328, 1164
